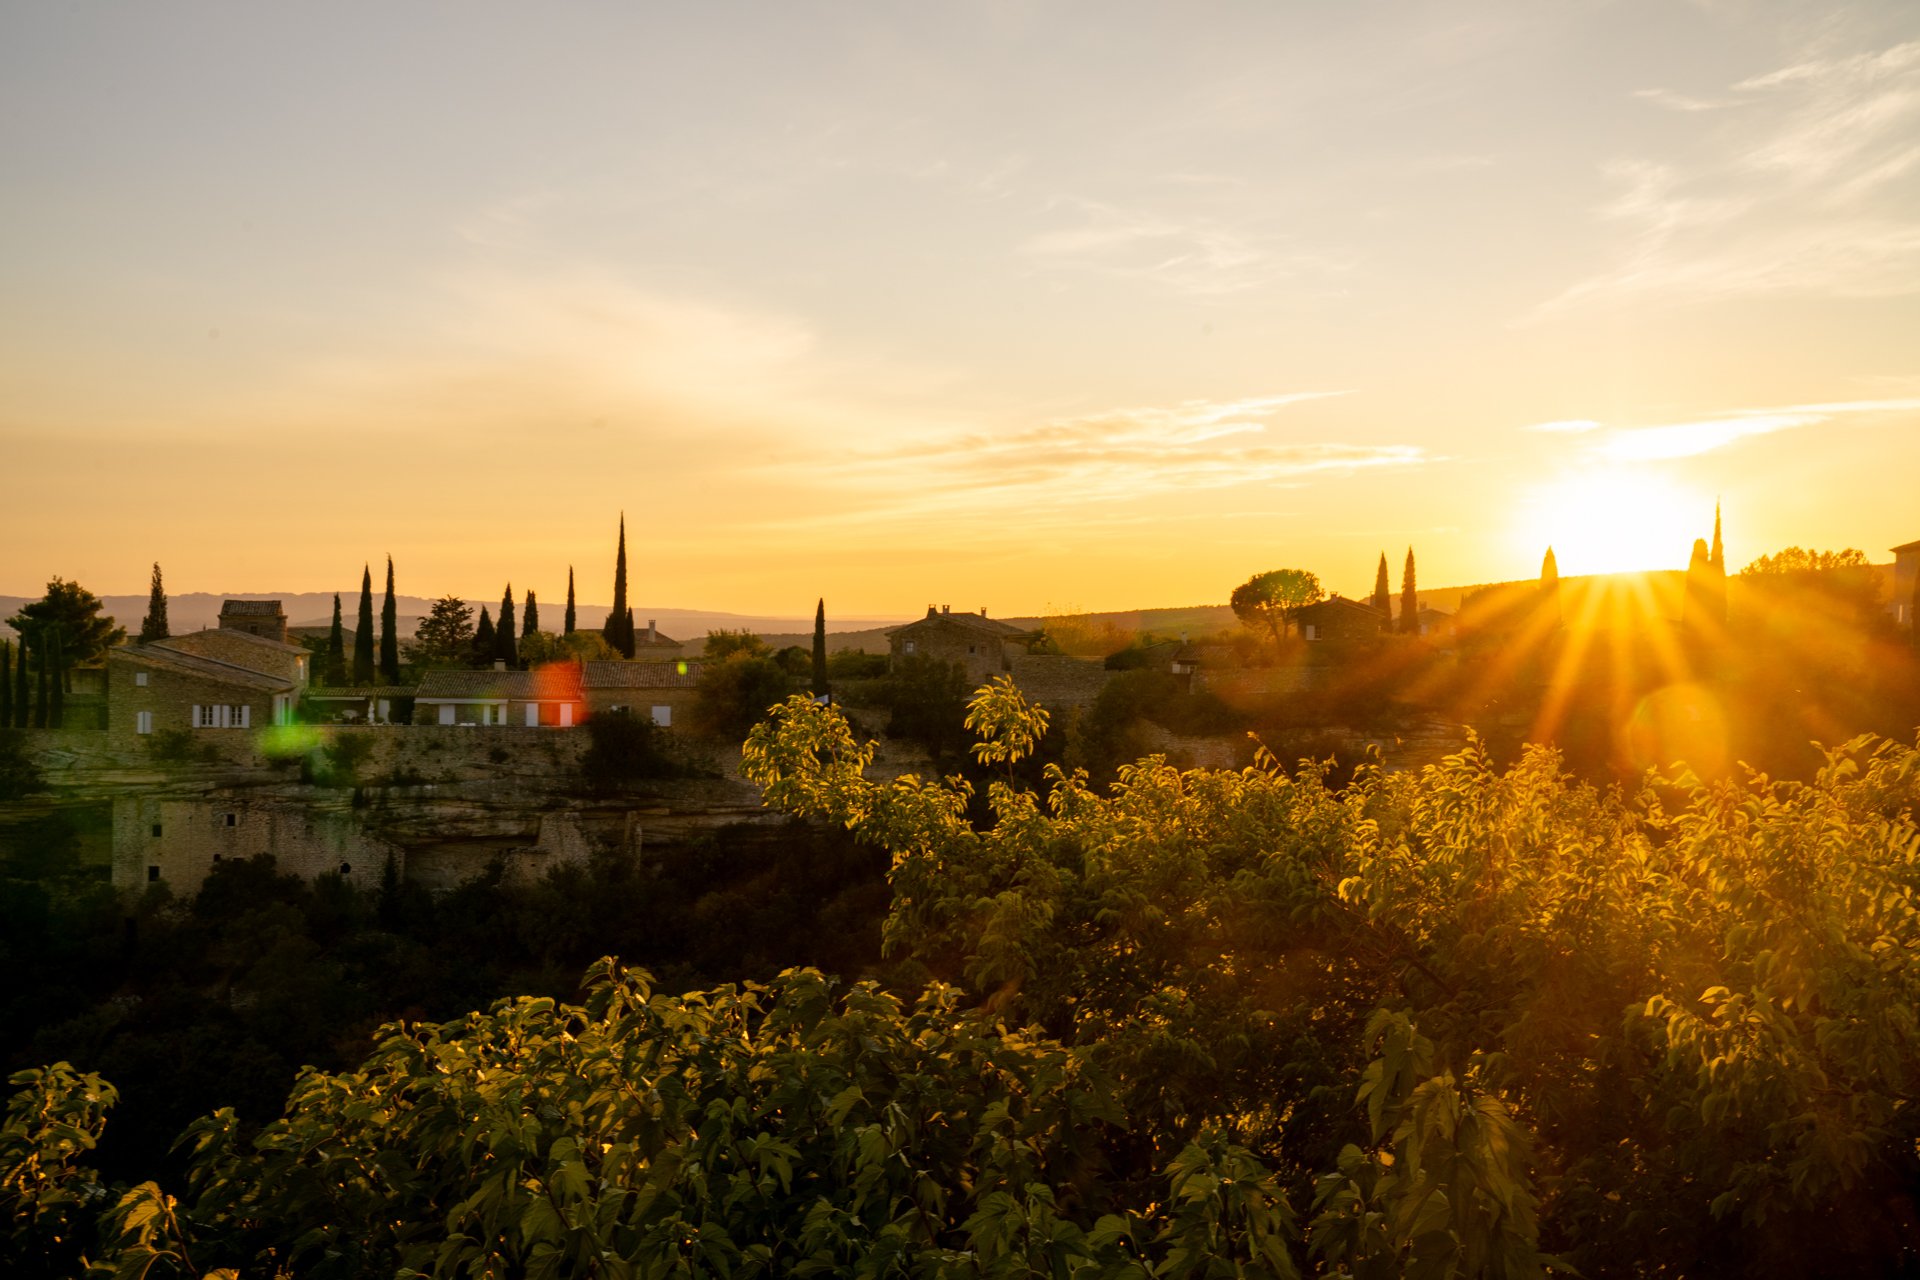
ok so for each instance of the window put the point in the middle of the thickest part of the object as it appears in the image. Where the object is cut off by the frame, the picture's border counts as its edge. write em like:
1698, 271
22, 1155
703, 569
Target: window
663, 716
227, 819
971, 649
143, 722
156, 831
140, 678
153, 873
346, 868
907, 647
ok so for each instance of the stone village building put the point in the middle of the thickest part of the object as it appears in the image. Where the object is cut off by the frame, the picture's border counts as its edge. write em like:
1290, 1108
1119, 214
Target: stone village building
979, 645
547, 696
211, 683
1906, 567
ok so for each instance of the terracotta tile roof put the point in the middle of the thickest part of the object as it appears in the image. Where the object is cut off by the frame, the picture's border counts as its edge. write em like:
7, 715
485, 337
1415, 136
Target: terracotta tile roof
641, 675
251, 608
976, 622
555, 682
187, 638
1340, 602
152, 655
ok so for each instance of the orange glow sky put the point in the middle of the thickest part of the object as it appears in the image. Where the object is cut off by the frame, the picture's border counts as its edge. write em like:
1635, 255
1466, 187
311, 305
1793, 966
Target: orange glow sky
1030, 306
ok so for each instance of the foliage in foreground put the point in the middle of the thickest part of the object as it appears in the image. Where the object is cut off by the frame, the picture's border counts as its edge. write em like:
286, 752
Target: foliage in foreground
1463, 1022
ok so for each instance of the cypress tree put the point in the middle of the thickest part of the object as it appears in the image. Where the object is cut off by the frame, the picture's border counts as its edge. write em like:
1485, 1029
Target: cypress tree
57, 701
6, 684
569, 630
40, 681
619, 628
1717, 569
1382, 595
22, 704
363, 637
530, 616
335, 671
483, 640
1550, 584
389, 634
1409, 598
819, 687
154, 625
505, 645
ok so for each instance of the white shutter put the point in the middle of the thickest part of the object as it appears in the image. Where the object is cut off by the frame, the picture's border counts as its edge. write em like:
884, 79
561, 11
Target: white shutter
663, 716
446, 713
566, 715
533, 715
196, 715
246, 716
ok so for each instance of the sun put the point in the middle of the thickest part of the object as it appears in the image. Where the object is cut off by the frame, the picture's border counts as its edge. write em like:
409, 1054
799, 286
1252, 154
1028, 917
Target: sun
1612, 520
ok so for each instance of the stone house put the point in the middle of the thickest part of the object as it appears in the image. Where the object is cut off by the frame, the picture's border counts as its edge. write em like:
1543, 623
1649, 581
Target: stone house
1339, 620
1906, 567
548, 696
981, 646
379, 704
212, 681
263, 618
661, 691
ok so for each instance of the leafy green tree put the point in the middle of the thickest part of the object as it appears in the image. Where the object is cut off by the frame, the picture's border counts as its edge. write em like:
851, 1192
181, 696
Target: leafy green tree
735, 694
570, 613
819, 686
389, 633
506, 645
1268, 601
583, 646
1798, 560
19, 776
333, 670
926, 701
74, 612
363, 667
1409, 598
723, 644
445, 636
622, 748
22, 701
154, 625
485, 644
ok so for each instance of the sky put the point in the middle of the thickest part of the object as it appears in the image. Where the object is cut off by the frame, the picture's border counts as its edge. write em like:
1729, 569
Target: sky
1030, 307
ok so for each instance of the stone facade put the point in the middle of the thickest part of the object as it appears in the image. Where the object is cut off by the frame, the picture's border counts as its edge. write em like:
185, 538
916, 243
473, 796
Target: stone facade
153, 690
662, 691
178, 840
549, 696
1339, 620
263, 618
978, 645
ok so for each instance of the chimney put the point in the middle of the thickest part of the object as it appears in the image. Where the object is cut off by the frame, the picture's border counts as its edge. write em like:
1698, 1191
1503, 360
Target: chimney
931, 612
499, 664
653, 632
946, 608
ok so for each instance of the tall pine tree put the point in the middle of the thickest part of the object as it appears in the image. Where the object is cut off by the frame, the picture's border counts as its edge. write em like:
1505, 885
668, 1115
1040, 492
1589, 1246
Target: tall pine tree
363, 637
1409, 598
389, 634
335, 671
6, 684
1382, 598
1717, 568
530, 616
154, 625
1550, 585
619, 628
569, 630
819, 687
506, 645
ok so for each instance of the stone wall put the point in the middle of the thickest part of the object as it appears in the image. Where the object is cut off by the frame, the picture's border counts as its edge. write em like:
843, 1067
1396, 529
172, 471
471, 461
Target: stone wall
1057, 681
171, 696
179, 839
1241, 683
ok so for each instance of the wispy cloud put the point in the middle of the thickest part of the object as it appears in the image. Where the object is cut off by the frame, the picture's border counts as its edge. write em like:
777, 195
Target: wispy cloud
1672, 440
1198, 256
1123, 454
1810, 191
1566, 426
